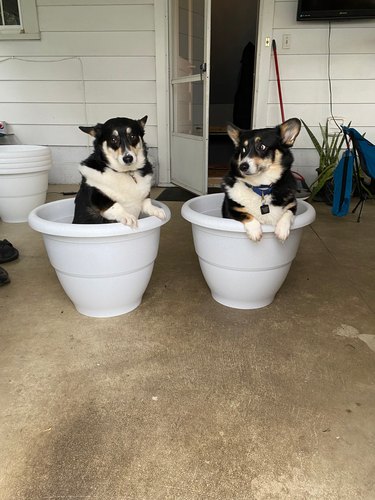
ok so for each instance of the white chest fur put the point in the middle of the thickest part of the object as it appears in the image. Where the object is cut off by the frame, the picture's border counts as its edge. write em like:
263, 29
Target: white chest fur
129, 190
252, 201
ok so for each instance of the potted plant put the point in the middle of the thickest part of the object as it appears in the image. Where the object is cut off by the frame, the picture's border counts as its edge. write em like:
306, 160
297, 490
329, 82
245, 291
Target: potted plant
329, 149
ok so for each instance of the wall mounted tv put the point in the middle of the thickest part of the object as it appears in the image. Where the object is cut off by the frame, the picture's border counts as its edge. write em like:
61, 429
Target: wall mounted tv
315, 10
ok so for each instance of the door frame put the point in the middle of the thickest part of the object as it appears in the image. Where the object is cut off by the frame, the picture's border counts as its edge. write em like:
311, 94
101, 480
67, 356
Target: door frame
162, 90
262, 62
262, 65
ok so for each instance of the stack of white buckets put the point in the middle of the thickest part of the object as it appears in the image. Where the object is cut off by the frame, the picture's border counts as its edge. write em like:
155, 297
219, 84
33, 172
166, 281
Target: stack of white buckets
23, 180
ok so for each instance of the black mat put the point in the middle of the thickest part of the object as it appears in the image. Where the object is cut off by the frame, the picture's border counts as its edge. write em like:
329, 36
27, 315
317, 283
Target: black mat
179, 194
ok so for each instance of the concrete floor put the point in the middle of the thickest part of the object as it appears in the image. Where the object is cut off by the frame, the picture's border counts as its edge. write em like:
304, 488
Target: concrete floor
184, 398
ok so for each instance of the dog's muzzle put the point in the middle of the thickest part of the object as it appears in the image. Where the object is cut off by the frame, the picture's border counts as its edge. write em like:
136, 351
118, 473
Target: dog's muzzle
249, 167
244, 168
128, 159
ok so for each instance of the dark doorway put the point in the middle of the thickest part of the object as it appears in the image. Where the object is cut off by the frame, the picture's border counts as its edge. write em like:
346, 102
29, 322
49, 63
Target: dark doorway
233, 45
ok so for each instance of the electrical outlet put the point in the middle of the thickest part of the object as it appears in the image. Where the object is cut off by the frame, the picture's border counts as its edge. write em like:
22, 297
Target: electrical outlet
286, 41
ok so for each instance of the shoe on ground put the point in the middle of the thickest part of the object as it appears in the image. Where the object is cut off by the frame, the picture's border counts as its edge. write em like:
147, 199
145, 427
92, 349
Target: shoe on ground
4, 277
7, 252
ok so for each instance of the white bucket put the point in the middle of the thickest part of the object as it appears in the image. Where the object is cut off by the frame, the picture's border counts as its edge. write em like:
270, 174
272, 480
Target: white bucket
23, 180
241, 273
103, 268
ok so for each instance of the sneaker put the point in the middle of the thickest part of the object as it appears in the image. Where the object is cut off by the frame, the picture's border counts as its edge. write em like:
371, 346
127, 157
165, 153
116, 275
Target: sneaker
7, 252
4, 277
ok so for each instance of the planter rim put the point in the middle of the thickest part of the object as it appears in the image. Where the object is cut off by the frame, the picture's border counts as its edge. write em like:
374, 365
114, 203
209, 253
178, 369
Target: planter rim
190, 213
22, 159
25, 170
22, 150
64, 229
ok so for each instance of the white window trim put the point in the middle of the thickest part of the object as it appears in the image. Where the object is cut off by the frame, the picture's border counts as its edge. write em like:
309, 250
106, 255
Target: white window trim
30, 24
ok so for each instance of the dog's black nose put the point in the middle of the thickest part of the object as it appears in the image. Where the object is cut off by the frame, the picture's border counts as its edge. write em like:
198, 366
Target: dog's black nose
244, 167
128, 159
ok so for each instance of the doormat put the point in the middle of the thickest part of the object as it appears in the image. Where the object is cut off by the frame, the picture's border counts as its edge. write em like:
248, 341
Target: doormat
180, 194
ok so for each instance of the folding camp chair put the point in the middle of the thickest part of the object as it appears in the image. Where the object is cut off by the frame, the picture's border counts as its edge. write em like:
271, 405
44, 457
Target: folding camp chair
359, 156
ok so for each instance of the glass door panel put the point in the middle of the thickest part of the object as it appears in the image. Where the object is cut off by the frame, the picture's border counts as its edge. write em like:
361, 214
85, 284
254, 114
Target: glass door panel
190, 41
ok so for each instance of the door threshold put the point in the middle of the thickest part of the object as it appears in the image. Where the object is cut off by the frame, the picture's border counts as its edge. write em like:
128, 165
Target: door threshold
215, 181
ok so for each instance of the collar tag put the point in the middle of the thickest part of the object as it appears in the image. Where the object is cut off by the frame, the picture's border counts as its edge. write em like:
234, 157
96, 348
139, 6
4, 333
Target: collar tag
264, 209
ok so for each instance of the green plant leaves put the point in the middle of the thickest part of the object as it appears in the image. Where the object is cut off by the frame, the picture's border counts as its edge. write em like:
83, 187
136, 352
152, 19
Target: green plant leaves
328, 148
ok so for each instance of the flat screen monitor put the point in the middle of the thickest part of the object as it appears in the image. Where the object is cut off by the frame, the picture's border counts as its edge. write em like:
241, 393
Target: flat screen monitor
315, 10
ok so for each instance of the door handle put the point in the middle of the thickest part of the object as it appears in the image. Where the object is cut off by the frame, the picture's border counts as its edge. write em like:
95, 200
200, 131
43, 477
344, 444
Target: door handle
203, 69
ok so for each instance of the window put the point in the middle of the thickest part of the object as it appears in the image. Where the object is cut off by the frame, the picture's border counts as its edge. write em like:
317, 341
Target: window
18, 20
10, 13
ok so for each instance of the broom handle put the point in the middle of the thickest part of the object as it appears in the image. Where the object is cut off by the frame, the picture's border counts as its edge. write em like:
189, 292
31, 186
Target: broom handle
278, 80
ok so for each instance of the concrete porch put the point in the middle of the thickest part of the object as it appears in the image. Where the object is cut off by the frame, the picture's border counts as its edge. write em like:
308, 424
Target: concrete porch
184, 398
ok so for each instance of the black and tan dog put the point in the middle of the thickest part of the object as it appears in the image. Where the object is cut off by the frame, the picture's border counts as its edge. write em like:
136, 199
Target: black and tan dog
260, 187
117, 176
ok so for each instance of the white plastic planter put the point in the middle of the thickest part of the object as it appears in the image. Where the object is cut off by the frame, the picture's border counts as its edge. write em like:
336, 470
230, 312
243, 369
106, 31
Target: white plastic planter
23, 180
103, 268
239, 272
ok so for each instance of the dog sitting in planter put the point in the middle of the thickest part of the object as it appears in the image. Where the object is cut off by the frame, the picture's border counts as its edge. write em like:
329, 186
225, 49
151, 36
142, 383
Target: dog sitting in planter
260, 187
117, 176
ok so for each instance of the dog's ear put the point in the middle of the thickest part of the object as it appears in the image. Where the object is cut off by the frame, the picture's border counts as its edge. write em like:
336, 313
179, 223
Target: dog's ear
234, 133
143, 121
289, 131
94, 131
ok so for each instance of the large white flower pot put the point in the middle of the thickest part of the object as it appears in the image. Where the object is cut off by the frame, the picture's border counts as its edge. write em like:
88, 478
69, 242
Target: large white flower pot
239, 272
103, 268
23, 180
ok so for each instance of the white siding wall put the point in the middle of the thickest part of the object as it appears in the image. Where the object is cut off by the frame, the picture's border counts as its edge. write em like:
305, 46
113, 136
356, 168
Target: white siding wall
95, 60
304, 75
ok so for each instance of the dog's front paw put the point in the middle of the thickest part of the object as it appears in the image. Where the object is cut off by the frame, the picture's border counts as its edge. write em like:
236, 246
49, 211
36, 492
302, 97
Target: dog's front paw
282, 229
129, 220
116, 212
254, 230
157, 212
150, 209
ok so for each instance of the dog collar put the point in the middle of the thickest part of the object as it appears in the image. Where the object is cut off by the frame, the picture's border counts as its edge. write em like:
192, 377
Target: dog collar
129, 172
261, 190
132, 175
